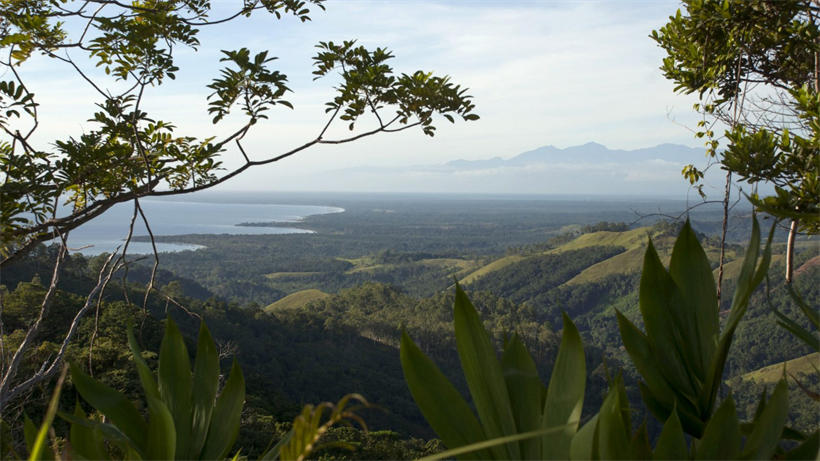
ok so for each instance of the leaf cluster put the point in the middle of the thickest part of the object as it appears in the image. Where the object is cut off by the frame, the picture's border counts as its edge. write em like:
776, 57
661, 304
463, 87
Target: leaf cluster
681, 358
753, 67
369, 85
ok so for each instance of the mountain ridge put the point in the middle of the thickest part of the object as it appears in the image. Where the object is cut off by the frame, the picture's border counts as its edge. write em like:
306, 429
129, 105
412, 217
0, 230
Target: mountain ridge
588, 152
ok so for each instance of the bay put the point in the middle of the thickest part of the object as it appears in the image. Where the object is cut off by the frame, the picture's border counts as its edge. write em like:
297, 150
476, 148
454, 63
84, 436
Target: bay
182, 217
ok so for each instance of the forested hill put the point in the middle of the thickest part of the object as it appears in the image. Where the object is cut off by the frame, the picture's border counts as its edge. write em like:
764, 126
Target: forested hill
332, 325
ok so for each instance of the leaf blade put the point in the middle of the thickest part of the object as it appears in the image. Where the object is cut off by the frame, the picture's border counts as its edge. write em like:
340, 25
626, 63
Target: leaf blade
565, 393
441, 404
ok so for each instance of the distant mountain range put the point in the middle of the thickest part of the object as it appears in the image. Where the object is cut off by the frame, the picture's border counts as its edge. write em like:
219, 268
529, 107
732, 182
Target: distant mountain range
588, 169
590, 152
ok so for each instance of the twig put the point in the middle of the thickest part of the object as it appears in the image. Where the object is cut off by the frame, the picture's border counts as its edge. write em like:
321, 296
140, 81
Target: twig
11, 371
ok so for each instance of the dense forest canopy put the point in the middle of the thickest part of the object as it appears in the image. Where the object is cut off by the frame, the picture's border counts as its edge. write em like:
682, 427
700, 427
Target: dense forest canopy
578, 329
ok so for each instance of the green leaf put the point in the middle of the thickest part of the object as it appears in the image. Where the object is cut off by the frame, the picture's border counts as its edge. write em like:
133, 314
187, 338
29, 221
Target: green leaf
762, 442
225, 420
149, 383
661, 306
175, 383
29, 432
469, 449
747, 282
161, 437
109, 432
613, 437
583, 445
744, 281
442, 406
114, 405
565, 394
657, 394
690, 269
806, 450
272, 453
86, 442
797, 330
483, 374
808, 311
525, 390
640, 351
721, 437
40, 449
205, 381
671, 443
640, 443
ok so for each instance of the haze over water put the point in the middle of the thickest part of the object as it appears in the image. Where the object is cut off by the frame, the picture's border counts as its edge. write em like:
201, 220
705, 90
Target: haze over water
178, 217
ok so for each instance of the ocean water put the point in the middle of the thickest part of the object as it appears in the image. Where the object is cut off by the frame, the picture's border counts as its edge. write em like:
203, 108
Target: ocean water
180, 217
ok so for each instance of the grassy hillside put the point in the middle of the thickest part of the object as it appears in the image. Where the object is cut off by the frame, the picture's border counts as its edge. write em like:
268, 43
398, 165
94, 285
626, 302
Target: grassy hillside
281, 275
491, 267
630, 239
297, 300
806, 364
628, 262
634, 241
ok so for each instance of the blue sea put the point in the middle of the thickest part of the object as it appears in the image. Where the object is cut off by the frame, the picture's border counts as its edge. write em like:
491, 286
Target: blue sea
181, 217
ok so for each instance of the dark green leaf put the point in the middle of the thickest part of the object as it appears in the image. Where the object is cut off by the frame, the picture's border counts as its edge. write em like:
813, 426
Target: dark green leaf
114, 405
86, 442
525, 390
205, 381
690, 269
175, 382
225, 420
671, 443
565, 394
161, 437
721, 437
613, 437
763, 440
661, 305
807, 450
149, 384
440, 403
583, 445
483, 374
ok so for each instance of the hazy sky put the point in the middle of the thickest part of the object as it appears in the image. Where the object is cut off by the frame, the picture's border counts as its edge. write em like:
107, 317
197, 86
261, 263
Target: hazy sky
541, 72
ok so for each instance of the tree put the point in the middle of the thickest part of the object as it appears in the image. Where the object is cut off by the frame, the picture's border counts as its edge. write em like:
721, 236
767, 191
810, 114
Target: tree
130, 154
754, 66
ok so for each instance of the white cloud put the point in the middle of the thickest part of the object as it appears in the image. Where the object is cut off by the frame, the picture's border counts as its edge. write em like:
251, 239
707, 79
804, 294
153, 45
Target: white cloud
554, 72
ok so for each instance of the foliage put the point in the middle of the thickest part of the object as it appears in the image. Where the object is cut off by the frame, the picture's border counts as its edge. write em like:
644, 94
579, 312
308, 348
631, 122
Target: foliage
186, 417
308, 428
681, 359
187, 420
347, 342
754, 68
129, 153
682, 355
506, 394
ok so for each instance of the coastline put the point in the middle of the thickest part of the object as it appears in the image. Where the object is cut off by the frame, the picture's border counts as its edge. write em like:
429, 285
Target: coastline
110, 237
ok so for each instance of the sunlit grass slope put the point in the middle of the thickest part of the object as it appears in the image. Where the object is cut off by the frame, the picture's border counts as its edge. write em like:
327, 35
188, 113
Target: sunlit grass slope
297, 300
629, 261
771, 374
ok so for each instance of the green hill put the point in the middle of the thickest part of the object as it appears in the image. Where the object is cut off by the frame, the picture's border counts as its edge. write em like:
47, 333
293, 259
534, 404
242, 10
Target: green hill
771, 374
628, 262
297, 300
491, 267
634, 241
630, 239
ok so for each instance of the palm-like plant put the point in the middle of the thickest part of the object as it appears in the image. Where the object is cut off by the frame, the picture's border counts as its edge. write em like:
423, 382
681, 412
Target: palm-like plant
523, 418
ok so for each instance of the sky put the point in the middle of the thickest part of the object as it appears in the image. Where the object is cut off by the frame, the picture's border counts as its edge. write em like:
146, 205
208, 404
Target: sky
559, 73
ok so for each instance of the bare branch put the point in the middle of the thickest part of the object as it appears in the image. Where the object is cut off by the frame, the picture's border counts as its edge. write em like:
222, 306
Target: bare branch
46, 371
156, 255
10, 373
